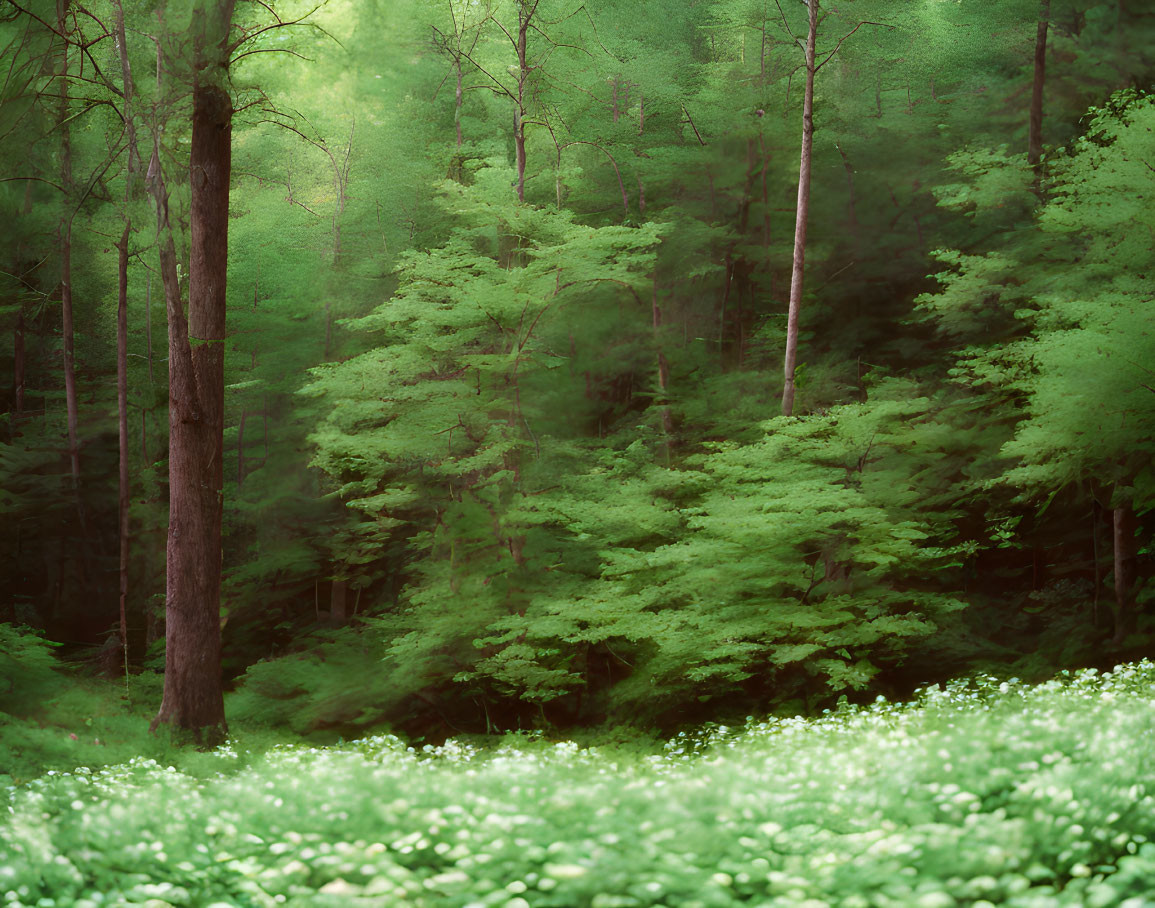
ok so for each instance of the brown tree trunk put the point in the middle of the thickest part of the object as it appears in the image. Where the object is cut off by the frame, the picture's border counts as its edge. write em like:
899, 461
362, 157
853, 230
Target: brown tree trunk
1035, 141
193, 701
1126, 553
801, 216
524, 16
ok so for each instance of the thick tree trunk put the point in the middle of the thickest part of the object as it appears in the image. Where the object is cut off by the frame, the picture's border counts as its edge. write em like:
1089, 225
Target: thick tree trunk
800, 219
1126, 553
1035, 140
193, 701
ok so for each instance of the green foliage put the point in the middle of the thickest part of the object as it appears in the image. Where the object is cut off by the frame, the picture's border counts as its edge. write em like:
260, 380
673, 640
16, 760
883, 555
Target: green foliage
334, 684
987, 792
29, 672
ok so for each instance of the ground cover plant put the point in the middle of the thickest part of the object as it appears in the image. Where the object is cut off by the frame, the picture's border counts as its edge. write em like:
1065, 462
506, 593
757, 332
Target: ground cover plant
978, 793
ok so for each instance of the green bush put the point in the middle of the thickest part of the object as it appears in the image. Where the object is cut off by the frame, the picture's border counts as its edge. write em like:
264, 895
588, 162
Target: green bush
28, 671
977, 794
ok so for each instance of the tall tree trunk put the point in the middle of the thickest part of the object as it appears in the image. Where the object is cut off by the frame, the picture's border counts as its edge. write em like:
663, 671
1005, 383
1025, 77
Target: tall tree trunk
1126, 553
133, 168
801, 216
122, 423
193, 700
524, 16
67, 329
1035, 141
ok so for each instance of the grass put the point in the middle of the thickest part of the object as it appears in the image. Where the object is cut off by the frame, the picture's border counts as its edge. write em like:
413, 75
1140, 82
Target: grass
981, 793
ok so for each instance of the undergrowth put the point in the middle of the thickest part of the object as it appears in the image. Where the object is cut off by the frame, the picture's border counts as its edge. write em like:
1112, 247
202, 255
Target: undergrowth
977, 793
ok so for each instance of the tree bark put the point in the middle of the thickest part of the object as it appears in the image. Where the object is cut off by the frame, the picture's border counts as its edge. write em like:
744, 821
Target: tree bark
193, 701
1035, 140
801, 215
1126, 553
524, 16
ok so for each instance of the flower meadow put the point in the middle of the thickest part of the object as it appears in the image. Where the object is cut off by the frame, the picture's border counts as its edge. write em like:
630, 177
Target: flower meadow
979, 793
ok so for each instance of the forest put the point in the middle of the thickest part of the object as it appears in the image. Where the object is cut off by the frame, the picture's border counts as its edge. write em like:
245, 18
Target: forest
423, 372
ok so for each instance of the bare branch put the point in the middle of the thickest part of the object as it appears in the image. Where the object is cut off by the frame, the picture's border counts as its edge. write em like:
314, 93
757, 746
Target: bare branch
280, 23
270, 50
690, 120
34, 180
847, 35
785, 23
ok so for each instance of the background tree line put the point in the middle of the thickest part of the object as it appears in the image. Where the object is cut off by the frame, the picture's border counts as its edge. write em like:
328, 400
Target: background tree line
517, 291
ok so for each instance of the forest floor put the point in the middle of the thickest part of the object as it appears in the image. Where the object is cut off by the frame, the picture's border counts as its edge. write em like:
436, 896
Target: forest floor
980, 793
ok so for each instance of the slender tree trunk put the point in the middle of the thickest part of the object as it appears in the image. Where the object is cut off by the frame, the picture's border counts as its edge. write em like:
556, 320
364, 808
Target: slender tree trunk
1126, 553
1035, 141
67, 328
122, 423
641, 112
193, 701
524, 15
459, 100
801, 216
132, 169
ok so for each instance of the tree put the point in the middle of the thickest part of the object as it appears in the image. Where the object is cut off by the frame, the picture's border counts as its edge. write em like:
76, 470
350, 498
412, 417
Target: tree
1035, 144
802, 211
193, 699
